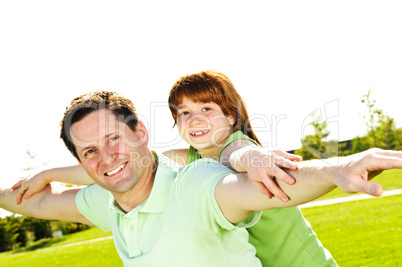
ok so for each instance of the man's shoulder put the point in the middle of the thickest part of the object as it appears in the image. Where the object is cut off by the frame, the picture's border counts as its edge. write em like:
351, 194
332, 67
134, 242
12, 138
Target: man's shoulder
93, 193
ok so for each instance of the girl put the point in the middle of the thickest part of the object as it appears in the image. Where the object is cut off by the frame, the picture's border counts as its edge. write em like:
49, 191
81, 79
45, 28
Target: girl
211, 116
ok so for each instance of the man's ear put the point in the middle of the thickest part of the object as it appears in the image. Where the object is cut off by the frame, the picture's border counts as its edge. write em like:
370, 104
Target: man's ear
142, 130
79, 162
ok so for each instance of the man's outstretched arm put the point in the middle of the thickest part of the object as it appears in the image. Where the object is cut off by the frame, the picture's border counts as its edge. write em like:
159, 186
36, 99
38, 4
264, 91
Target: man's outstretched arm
238, 198
53, 203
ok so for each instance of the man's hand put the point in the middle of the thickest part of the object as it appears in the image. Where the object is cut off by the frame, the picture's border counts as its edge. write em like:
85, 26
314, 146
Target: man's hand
356, 171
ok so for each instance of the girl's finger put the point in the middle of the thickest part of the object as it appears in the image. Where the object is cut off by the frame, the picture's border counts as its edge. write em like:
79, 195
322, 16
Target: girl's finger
273, 187
280, 174
263, 189
285, 163
289, 156
18, 184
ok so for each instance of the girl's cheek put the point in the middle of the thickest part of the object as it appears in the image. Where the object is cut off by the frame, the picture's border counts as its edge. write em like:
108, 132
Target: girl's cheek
181, 123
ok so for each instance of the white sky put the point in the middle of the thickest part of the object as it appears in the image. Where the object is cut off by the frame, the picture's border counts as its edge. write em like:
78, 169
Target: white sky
286, 58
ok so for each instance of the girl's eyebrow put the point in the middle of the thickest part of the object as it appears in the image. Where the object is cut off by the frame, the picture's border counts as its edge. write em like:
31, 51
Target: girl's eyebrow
181, 106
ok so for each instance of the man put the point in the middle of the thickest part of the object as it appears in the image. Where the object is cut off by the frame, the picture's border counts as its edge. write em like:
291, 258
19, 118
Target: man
163, 218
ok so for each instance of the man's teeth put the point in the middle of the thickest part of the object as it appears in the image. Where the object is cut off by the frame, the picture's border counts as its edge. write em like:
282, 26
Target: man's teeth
199, 133
115, 170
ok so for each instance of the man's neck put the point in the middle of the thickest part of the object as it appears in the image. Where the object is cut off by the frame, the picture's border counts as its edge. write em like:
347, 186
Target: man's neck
140, 192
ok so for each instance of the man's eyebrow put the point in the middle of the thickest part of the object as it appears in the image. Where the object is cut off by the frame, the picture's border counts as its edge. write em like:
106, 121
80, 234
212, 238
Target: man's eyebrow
85, 148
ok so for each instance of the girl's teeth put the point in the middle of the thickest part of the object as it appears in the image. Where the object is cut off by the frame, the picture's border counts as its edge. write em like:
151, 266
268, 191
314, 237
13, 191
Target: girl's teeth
199, 133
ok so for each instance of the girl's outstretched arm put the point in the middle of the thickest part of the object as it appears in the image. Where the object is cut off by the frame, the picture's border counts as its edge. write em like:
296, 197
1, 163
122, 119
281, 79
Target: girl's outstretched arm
35, 184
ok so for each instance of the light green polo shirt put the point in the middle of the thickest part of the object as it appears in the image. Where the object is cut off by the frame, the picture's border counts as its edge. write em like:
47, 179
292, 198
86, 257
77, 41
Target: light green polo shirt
180, 224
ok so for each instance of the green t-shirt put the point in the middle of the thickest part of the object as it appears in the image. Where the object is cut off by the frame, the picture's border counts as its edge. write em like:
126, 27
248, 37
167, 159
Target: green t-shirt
282, 236
180, 224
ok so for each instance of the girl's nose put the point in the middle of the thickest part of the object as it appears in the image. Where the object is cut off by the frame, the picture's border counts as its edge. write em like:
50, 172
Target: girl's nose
197, 119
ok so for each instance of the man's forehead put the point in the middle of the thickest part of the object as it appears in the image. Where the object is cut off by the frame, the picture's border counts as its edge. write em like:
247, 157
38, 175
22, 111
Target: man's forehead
97, 125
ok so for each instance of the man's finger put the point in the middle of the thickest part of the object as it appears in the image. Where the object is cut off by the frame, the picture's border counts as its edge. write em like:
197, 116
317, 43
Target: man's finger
368, 187
381, 161
383, 152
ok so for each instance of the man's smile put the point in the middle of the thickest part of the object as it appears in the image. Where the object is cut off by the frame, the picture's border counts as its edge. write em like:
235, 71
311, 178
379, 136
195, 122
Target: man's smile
113, 172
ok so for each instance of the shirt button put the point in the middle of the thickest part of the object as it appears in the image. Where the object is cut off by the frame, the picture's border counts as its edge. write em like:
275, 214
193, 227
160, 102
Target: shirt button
130, 228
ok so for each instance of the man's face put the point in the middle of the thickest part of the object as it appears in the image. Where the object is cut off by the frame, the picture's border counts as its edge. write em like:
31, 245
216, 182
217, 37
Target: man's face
112, 154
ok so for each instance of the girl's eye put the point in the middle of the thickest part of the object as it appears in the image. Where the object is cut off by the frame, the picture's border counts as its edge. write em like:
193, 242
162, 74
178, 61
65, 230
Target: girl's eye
184, 113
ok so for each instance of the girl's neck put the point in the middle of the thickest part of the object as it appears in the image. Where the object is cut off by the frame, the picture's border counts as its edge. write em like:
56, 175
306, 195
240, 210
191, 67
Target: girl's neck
212, 152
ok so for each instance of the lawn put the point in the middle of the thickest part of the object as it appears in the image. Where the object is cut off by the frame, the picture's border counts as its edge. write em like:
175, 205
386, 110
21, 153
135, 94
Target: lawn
361, 233
54, 252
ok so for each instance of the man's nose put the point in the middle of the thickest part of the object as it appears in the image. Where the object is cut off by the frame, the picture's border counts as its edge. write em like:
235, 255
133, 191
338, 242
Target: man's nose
107, 155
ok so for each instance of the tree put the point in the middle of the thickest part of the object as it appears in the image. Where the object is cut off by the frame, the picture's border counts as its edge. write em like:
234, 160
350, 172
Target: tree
7, 236
314, 145
374, 116
381, 129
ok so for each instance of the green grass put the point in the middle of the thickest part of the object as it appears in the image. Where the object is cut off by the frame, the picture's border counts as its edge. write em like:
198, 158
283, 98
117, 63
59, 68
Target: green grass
361, 233
91, 233
54, 252
390, 179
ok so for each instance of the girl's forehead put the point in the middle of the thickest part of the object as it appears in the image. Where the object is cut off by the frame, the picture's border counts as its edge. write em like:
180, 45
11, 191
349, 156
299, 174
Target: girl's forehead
188, 102
185, 101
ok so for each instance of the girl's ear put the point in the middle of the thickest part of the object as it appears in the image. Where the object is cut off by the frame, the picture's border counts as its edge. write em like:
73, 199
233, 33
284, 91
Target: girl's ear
232, 118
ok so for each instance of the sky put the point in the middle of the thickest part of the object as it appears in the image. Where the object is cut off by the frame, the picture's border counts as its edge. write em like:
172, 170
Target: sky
287, 59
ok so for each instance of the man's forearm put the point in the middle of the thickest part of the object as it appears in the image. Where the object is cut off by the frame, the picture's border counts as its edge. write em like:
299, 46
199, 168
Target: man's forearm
314, 179
238, 197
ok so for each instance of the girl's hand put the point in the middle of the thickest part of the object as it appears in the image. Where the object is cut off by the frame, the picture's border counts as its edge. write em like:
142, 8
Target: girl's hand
29, 186
264, 167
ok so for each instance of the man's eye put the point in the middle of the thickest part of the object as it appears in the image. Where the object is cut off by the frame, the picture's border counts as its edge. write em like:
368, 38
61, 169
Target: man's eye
89, 152
114, 138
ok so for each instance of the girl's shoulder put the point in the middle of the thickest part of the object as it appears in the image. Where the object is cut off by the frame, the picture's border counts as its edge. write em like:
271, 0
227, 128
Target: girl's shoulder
178, 155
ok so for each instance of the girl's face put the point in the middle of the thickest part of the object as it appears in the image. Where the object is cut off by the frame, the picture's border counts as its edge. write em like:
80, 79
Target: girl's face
203, 125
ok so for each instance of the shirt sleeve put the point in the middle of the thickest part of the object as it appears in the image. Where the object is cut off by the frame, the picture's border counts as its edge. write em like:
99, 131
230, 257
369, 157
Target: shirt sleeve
196, 185
93, 202
236, 136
